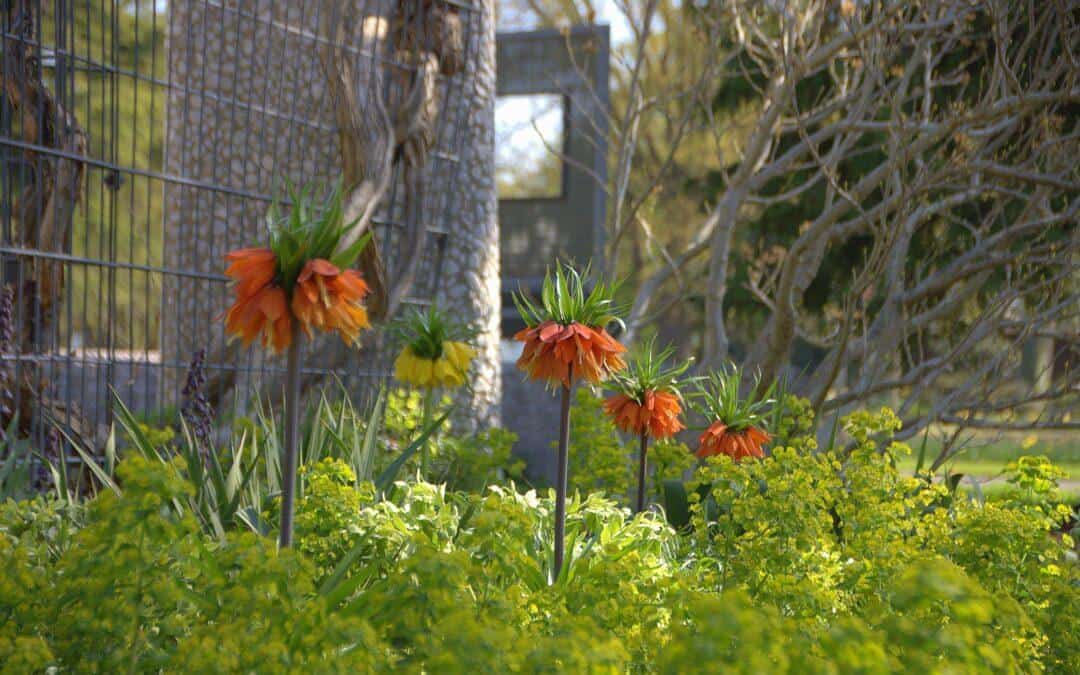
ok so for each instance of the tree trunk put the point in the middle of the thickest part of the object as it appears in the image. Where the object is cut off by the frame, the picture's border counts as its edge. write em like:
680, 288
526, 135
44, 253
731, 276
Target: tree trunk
469, 285
716, 339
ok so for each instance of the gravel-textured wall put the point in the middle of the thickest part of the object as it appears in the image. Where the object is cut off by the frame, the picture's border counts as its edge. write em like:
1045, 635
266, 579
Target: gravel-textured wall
471, 261
245, 109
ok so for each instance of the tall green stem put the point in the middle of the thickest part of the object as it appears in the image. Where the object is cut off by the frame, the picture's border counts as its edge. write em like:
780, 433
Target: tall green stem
560, 481
642, 472
290, 450
426, 415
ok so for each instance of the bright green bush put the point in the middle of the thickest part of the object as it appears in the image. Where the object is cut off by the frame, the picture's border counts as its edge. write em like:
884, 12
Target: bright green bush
158, 436
793, 423
44, 526
831, 533
141, 588
463, 462
599, 460
937, 620
328, 516
668, 460
471, 463
805, 562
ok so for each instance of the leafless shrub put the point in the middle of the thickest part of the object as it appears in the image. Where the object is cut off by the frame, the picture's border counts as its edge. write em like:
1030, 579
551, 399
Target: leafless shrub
939, 140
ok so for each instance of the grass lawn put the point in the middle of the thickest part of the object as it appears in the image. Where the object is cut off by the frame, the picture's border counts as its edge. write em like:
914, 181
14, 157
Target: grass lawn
984, 456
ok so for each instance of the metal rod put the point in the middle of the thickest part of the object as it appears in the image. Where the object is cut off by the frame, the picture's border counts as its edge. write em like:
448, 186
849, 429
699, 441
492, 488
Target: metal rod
642, 472
292, 437
153, 269
560, 482
181, 180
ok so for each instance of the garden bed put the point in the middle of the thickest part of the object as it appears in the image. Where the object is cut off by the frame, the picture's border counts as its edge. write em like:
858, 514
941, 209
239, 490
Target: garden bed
809, 560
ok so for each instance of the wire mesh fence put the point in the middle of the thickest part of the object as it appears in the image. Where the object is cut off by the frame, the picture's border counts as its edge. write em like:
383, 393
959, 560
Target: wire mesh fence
142, 140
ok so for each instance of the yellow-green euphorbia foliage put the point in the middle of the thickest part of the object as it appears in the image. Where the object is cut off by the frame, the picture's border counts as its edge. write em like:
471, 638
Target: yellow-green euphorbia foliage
806, 561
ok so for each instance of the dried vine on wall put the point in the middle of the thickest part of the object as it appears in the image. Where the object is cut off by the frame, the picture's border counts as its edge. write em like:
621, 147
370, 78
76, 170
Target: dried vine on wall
43, 210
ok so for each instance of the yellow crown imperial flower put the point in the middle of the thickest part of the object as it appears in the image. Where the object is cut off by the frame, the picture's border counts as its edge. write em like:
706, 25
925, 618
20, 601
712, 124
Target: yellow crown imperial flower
447, 370
460, 354
432, 357
443, 373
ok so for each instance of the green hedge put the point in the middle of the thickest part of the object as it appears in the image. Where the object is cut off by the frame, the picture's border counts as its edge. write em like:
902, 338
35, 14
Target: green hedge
805, 562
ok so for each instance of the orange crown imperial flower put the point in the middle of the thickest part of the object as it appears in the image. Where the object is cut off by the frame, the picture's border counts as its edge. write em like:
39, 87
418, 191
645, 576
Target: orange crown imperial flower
552, 349
327, 298
719, 439
647, 398
300, 275
738, 423
251, 268
565, 335
260, 309
657, 415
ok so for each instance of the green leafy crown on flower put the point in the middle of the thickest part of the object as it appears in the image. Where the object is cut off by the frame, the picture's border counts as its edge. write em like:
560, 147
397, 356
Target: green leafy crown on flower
718, 397
425, 331
564, 299
649, 370
313, 228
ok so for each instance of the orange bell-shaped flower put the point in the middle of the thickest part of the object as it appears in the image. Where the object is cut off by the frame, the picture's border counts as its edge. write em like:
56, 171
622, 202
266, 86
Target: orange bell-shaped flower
251, 268
264, 313
329, 299
718, 439
551, 349
261, 309
657, 415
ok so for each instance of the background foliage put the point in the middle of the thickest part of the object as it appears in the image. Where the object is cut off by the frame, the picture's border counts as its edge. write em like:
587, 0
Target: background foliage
124, 119
847, 194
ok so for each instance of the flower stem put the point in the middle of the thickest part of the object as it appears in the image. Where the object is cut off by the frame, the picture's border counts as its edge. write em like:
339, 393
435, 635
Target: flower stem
560, 481
642, 473
425, 420
290, 450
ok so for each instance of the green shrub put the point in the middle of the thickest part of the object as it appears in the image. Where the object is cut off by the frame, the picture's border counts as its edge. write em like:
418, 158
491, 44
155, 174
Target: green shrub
158, 436
792, 422
328, 515
830, 533
805, 562
463, 462
471, 463
44, 526
141, 588
937, 620
599, 460
668, 460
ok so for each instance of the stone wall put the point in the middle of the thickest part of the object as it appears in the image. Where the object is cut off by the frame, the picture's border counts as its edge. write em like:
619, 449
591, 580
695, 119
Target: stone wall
471, 260
245, 98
